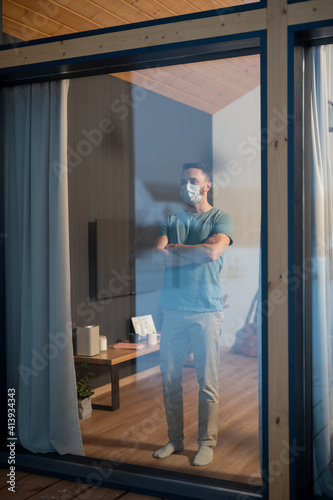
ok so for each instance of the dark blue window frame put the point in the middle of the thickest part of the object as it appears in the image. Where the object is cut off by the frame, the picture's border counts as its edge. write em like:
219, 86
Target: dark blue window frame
297, 1
300, 352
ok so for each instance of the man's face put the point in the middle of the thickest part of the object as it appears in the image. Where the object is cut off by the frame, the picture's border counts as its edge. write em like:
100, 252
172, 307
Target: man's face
197, 177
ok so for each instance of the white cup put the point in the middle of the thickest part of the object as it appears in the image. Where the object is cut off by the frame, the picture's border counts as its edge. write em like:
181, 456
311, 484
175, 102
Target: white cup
103, 343
153, 338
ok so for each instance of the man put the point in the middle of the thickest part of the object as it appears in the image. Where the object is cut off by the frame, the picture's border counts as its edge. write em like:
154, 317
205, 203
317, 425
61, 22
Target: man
190, 245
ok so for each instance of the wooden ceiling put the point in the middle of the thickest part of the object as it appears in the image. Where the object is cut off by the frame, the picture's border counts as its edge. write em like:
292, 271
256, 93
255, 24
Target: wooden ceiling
208, 86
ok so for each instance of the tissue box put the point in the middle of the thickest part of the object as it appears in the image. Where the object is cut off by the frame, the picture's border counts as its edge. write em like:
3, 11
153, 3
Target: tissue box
87, 340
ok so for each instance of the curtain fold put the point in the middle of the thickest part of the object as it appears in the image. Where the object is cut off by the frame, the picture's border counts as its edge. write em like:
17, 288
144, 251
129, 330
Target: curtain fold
40, 363
322, 275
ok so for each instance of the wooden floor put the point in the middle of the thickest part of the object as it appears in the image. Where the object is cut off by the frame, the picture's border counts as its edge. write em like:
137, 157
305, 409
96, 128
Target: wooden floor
33, 487
132, 433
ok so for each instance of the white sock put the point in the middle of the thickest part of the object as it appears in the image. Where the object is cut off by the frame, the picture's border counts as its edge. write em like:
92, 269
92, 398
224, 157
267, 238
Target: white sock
168, 449
204, 456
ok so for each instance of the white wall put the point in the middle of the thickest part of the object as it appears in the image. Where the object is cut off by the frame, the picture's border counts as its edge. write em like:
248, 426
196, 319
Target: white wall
237, 181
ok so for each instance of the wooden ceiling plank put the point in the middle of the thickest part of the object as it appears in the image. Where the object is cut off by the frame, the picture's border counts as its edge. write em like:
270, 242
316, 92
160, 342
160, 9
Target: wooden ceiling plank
105, 20
252, 62
173, 93
225, 81
22, 17
152, 84
92, 11
125, 75
244, 61
180, 8
200, 81
32, 21
189, 88
151, 7
121, 9
242, 68
190, 71
222, 91
14, 29
73, 21
196, 74
203, 5
91, 14
233, 72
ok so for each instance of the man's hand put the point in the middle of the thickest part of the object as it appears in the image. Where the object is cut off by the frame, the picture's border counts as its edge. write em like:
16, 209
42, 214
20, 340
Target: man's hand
203, 253
164, 256
175, 254
171, 247
212, 239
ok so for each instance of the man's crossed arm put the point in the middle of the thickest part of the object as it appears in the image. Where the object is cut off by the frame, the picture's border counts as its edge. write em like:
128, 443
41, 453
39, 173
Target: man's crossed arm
171, 254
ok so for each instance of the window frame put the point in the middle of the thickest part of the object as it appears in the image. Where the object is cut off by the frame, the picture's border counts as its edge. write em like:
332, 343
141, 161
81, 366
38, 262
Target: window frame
126, 476
300, 335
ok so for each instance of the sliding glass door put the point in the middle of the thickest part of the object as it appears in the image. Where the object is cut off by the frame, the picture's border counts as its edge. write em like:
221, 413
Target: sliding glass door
127, 148
318, 263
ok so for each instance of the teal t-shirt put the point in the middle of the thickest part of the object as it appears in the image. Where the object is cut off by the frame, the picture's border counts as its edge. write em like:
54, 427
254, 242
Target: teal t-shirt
194, 287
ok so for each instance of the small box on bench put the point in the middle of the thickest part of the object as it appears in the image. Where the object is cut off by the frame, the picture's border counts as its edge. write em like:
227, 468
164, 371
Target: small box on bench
86, 341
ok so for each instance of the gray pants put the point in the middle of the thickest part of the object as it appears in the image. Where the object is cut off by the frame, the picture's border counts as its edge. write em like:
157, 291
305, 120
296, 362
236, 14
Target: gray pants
202, 330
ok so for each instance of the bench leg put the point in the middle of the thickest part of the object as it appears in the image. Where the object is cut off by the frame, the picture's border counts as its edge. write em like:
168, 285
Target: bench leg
115, 404
115, 387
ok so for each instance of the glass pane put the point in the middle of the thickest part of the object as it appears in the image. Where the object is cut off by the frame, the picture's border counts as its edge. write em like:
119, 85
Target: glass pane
319, 210
32, 19
127, 147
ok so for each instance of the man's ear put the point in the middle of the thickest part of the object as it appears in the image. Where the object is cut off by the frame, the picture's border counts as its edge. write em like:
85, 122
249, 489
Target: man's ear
208, 186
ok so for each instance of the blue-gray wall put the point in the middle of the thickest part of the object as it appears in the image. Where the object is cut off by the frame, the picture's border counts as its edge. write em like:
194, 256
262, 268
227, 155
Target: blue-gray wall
167, 134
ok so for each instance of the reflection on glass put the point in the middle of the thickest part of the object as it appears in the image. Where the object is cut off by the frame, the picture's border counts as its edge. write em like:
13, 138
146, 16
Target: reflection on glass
193, 120
190, 246
127, 148
319, 70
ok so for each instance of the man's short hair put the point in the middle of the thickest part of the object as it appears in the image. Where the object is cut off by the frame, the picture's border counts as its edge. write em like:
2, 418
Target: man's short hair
200, 166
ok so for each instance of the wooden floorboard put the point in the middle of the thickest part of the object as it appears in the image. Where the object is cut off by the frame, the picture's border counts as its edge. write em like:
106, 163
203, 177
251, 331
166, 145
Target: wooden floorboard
33, 487
132, 433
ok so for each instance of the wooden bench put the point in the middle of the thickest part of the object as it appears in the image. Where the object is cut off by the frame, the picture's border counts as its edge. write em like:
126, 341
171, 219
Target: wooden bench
114, 358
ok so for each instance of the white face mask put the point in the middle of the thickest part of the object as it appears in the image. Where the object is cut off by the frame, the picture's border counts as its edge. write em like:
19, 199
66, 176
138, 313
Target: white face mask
190, 193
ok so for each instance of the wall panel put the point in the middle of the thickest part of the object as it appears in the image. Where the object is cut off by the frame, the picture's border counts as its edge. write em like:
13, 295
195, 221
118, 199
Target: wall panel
100, 180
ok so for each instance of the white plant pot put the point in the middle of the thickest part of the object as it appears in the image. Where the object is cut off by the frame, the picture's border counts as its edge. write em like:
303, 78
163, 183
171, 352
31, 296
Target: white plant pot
84, 408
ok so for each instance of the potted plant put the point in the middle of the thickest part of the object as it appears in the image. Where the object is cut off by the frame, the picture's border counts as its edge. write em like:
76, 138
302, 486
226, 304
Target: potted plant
84, 392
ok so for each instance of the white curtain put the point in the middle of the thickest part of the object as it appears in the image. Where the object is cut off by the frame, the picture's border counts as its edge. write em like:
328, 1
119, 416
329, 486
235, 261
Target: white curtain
322, 276
39, 334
